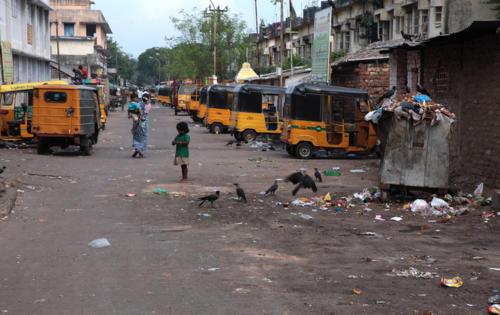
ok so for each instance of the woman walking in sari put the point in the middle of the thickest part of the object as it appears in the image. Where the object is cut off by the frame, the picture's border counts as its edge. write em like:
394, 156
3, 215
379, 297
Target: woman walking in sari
145, 108
139, 137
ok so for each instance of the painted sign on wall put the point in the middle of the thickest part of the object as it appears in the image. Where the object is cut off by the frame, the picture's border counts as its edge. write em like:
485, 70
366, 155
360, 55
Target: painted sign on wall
321, 46
7, 62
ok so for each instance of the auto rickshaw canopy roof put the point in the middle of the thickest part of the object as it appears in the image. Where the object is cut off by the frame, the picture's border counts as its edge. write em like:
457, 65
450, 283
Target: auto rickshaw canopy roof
28, 86
218, 88
308, 88
258, 88
67, 87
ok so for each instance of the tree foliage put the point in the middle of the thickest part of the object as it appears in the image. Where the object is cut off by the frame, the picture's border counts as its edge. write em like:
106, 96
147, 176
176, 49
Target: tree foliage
190, 55
124, 63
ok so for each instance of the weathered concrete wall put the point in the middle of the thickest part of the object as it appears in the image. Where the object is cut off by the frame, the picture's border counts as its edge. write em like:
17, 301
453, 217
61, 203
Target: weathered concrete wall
461, 13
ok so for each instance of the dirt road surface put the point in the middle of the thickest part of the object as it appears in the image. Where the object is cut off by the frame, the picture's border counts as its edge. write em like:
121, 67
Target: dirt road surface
168, 256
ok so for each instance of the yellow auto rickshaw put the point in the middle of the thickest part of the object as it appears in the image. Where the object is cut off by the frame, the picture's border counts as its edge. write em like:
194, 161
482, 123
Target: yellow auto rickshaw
16, 110
326, 117
202, 111
165, 95
220, 99
256, 110
65, 115
194, 104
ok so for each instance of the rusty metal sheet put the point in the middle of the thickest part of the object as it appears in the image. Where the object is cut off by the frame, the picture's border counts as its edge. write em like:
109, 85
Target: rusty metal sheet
416, 156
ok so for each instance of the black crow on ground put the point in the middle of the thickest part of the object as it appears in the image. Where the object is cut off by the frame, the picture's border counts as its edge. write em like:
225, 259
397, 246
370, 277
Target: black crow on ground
230, 142
295, 178
272, 190
422, 90
210, 198
317, 174
241, 193
2, 169
388, 94
306, 182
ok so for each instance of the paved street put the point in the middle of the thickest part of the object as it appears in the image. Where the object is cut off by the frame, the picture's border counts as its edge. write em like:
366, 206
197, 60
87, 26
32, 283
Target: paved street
167, 256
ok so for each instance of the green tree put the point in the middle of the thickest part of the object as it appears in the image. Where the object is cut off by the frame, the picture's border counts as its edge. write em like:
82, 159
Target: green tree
124, 63
298, 61
192, 51
151, 65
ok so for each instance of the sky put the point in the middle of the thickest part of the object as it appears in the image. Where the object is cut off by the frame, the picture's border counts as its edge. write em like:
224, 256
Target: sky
141, 24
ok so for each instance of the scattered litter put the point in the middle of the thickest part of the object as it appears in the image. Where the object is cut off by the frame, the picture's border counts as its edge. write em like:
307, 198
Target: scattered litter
122, 148
368, 233
130, 195
306, 216
20, 191
160, 191
243, 175
478, 192
455, 282
206, 215
302, 202
495, 269
357, 171
242, 291
380, 302
357, 292
495, 299
336, 168
378, 217
477, 258
420, 206
494, 309
413, 272
99, 243
331, 173
213, 269
397, 219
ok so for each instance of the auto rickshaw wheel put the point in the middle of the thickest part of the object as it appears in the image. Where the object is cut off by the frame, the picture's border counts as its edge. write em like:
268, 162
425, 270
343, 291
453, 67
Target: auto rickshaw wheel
249, 135
42, 146
304, 150
85, 145
216, 128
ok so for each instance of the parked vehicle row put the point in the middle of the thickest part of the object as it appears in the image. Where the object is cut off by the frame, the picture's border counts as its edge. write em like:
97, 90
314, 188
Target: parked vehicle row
305, 117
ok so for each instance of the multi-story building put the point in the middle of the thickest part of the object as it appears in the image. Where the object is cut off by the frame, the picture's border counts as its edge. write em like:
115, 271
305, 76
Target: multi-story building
25, 26
81, 33
357, 23
298, 39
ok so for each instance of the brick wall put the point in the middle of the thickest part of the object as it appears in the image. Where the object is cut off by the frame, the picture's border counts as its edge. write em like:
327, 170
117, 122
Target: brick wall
463, 77
373, 77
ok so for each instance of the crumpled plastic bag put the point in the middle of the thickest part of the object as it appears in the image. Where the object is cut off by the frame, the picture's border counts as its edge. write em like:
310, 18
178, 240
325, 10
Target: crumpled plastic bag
374, 116
421, 206
478, 192
422, 98
99, 243
439, 204
302, 202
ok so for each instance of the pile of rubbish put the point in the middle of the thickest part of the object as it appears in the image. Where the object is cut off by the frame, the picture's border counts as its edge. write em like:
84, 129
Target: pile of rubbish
412, 106
460, 204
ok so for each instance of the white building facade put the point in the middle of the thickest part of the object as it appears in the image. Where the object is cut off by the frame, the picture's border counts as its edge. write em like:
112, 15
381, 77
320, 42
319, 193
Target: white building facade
25, 24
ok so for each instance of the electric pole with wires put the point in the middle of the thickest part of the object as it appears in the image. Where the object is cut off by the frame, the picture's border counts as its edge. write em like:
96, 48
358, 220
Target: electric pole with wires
216, 13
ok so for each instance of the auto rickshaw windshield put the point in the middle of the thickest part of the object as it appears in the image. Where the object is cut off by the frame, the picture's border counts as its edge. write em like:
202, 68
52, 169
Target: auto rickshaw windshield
303, 107
218, 99
249, 103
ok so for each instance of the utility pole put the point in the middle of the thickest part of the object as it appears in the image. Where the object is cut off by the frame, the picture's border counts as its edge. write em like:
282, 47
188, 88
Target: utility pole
58, 53
258, 35
291, 39
216, 12
282, 43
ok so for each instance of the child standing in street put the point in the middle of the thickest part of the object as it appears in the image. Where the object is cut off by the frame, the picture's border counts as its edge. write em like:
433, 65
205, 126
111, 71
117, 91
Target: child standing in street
182, 149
